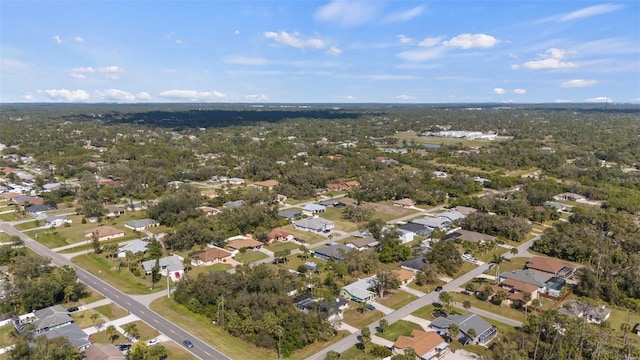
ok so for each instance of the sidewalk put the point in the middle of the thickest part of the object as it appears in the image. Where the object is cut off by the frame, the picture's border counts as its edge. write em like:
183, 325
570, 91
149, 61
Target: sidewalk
420, 321
381, 341
412, 291
117, 323
95, 304
383, 309
346, 327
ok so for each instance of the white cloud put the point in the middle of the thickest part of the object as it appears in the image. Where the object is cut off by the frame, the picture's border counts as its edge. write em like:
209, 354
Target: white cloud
68, 95
193, 95
519, 91
468, 41
28, 97
590, 11
421, 54
599, 99
348, 13
295, 40
143, 96
578, 83
515, 66
406, 15
242, 60
57, 39
559, 101
334, 51
87, 69
430, 41
237, 32
404, 39
114, 95
551, 59
389, 77
78, 39
350, 97
499, 91
111, 72
179, 42
261, 97
78, 76
404, 97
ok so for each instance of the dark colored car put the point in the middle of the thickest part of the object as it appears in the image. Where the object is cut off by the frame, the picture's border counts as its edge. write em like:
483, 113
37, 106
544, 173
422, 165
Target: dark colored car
123, 347
187, 343
438, 288
73, 309
371, 307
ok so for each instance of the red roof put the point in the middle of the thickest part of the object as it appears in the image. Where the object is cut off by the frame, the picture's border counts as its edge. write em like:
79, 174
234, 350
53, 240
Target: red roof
548, 265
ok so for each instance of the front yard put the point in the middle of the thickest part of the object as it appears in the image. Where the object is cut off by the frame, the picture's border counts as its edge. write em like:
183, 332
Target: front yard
250, 256
397, 299
398, 328
359, 320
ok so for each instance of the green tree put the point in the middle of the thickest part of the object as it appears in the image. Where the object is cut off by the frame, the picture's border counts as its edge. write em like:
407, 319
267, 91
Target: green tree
453, 332
471, 335
446, 299
111, 332
383, 325
386, 280
466, 305
155, 273
332, 355
154, 249
445, 256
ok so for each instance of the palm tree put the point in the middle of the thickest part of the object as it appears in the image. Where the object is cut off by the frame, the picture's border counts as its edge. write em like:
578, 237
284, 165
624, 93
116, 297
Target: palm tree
471, 334
453, 331
111, 332
514, 251
446, 299
497, 260
466, 305
132, 330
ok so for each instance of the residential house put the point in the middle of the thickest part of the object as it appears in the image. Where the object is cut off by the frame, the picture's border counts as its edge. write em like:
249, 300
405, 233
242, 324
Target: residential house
51, 186
404, 276
141, 225
278, 235
386, 160
404, 203
267, 184
115, 211
484, 331
104, 233
440, 174
332, 203
136, 206
233, 204
55, 221
471, 236
556, 205
28, 200
416, 229
593, 314
570, 197
432, 223
551, 266
363, 243
236, 181
415, 264
11, 195
546, 283
290, 214
52, 322
515, 291
465, 210
134, 246
451, 215
240, 242
311, 209
39, 209
210, 193
335, 252
316, 225
405, 236
426, 345
358, 291
171, 266
208, 210
98, 351
210, 256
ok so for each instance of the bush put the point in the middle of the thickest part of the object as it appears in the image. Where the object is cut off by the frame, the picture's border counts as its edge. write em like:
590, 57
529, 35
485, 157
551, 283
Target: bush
302, 269
379, 351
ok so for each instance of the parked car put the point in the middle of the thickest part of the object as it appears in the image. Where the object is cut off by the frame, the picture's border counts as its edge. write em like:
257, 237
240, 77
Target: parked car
123, 346
187, 343
438, 288
153, 342
73, 309
371, 307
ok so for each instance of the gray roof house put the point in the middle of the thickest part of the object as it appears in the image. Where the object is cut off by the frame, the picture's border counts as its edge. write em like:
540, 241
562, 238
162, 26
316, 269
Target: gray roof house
52, 322
233, 204
316, 225
472, 236
532, 277
290, 214
432, 223
334, 252
140, 225
314, 208
363, 243
135, 246
359, 291
416, 229
484, 331
414, 264
171, 266
593, 314
76, 336
56, 220
452, 215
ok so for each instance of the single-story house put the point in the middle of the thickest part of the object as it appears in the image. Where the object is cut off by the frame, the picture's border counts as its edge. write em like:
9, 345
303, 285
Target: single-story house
471, 236
52, 322
243, 242
416, 229
515, 290
451, 215
135, 246
30, 200
314, 209
484, 331
210, 256
171, 266
570, 197
404, 203
277, 235
98, 351
141, 225
416, 263
11, 195
76, 336
316, 225
136, 206
335, 252
593, 314
440, 174
536, 278
465, 210
359, 291
311, 266
405, 236
57, 220
332, 203
39, 209
233, 204
115, 211
236, 181
551, 266
425, 344
432, 223
290, 214
105, 233
555, 205
267, 184
208, 210
363, 243
404, 276
51, 186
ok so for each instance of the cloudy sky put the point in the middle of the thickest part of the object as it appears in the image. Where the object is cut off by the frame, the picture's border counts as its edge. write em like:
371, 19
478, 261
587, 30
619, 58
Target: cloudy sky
319, 51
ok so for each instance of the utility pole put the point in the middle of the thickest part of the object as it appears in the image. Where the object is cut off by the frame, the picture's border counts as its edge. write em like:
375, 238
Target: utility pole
168, 288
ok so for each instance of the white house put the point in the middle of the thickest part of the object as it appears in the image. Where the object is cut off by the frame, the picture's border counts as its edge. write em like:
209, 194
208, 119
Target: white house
171, 266
55, 221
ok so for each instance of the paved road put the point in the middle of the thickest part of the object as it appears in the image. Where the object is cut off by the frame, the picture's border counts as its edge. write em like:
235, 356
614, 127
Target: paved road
177, 334
427, 299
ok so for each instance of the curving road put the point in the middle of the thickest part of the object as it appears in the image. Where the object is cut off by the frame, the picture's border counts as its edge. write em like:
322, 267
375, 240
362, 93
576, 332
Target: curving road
164, 326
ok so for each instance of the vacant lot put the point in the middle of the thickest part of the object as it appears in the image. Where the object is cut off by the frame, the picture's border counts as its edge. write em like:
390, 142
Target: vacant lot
397, 299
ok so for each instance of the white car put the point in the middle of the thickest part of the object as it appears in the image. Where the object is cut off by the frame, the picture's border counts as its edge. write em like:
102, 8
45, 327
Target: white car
152, 342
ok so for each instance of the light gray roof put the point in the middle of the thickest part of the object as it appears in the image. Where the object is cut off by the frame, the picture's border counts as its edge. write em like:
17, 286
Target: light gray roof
316, 224
360, 288
452, 215
171, 263
289, 213
53, 218
314, 207
334, 251
141, 223
577, 308
532, 277
465, 323
233, 204
432, 222
51, 317
365, 241
134, 246
76, 336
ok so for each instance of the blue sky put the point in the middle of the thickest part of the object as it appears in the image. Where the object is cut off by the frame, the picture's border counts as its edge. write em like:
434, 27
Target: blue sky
320, 51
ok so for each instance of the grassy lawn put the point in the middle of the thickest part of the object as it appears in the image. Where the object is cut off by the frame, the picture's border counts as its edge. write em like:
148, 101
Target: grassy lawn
4, 237
505, 311
12, 216
335, 215
296, 260
29, 225
425, 312
283, 246
83, 246
83, 318
354, 353
121, 279
466, 267
112, 311
516, 263
317, 346
397, 299
7, 335
215, 336
197, 270
101, 337
427, 288
250, 256
619, 317
146, 331
398, 328
309, 237
358, 320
